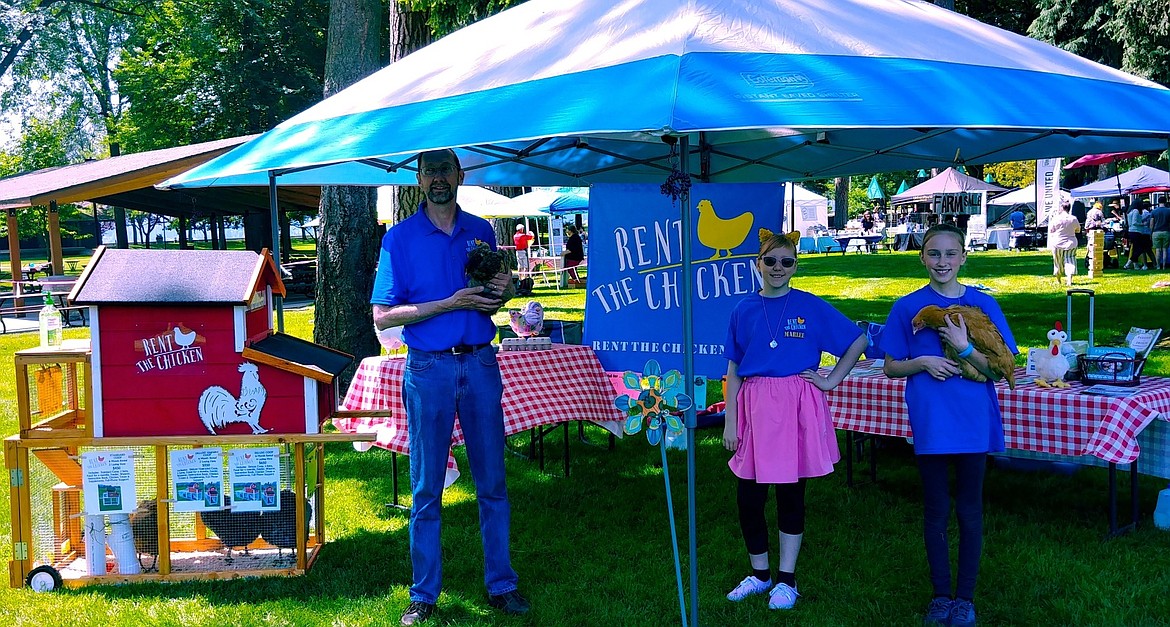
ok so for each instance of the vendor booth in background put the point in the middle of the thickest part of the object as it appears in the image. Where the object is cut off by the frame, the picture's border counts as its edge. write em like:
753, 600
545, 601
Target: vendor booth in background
1001, 234
806, 212
185, 426
1140, 180
951, 196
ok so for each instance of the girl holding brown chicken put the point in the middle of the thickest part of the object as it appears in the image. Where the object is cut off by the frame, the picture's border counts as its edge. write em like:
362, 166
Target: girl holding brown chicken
956, 420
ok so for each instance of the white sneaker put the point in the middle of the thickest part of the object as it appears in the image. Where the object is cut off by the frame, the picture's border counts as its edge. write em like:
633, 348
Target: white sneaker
782, 597
750, 586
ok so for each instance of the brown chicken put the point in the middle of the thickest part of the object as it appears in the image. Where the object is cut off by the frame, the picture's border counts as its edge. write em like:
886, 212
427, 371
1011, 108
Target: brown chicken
982, 334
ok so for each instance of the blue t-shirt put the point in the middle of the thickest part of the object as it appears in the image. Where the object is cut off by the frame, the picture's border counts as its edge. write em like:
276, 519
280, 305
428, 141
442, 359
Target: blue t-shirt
957, 415
420, 263
1017, 219
804, 326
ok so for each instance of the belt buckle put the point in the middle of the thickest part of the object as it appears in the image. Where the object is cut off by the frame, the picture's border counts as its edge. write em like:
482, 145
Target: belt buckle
461, 349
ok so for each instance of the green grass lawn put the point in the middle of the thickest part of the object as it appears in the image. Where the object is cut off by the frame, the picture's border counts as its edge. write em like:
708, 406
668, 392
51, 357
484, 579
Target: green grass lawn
593, 549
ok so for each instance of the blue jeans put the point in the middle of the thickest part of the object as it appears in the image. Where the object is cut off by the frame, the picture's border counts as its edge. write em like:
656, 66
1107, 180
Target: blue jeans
435, 387
936, 512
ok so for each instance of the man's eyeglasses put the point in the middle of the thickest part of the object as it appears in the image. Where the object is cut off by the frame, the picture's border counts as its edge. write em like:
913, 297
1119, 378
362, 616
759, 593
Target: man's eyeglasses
785, 262
446, 170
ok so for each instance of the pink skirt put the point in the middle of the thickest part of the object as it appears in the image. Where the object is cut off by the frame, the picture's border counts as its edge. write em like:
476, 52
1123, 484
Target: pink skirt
785, 431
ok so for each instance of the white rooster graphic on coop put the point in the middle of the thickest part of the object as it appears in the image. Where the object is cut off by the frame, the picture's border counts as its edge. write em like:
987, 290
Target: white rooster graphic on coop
218, 408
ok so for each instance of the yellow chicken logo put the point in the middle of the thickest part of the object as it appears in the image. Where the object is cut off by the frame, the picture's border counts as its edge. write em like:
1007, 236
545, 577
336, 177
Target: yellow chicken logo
721, 234
799, 320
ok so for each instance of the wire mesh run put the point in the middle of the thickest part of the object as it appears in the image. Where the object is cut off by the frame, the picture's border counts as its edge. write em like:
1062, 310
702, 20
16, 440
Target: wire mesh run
223, 540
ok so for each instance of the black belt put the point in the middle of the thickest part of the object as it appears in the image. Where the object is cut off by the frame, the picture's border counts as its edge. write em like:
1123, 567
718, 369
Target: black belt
462, 349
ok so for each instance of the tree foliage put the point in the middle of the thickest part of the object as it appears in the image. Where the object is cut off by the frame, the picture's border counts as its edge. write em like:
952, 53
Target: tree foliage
1012, 173
201, 71
57, 59
41, 144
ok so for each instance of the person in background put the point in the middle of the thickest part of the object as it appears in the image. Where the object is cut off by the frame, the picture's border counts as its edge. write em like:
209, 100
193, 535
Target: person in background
778, 422
574, 253
1062, 240
522, 239
451, 369
1095, 221
1116, 222
956, 421
1141, 250
1078, 211
1017, 219
1160, 234
1095, 217
1116, 211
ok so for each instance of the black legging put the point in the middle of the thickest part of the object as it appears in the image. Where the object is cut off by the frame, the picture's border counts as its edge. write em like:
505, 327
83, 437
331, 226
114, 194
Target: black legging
751, 497
936, 512
1142, 245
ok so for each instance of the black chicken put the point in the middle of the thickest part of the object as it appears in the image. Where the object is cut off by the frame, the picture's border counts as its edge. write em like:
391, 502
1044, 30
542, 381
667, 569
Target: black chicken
279, 528
233, 528
144, 524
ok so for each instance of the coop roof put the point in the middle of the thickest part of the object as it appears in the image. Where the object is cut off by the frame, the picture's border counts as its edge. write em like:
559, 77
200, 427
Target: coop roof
174, 276
299, 356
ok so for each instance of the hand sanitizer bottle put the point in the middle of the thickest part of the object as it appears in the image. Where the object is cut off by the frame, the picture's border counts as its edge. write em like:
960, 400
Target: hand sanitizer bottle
50, 319
1162, 511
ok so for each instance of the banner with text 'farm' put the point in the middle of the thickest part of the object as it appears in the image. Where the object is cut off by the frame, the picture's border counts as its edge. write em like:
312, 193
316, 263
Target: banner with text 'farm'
633, 311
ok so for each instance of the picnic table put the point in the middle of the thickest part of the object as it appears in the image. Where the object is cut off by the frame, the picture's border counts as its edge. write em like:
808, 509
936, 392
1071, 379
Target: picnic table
857, 242
1060, 421
909, 241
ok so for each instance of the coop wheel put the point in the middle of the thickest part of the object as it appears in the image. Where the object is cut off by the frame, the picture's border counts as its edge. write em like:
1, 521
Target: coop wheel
44, 579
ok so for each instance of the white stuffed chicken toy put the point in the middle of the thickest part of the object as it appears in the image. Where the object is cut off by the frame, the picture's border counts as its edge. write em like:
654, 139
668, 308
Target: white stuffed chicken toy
527, 321
390, 338
1052, 365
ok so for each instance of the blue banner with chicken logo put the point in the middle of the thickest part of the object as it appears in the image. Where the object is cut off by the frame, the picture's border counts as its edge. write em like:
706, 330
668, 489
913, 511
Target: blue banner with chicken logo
633, 308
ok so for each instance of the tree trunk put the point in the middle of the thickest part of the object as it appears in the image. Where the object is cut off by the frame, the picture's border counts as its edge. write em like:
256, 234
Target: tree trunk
347, 250
408, 32
840, 202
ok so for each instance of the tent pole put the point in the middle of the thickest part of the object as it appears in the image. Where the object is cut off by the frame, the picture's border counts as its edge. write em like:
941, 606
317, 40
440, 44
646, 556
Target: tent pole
277, 299
689, 376
792, 207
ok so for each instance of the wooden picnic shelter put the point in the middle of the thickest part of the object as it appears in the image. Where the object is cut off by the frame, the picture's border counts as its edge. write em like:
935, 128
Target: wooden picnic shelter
127, 181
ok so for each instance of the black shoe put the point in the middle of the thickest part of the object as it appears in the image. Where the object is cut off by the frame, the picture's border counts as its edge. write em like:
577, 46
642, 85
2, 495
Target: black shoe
417, 612
510, 603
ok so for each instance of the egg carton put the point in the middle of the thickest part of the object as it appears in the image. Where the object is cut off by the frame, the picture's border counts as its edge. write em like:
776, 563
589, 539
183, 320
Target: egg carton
525, 344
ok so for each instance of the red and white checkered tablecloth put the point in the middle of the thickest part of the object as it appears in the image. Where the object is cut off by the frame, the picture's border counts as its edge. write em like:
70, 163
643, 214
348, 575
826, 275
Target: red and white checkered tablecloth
1061, 421
540, 388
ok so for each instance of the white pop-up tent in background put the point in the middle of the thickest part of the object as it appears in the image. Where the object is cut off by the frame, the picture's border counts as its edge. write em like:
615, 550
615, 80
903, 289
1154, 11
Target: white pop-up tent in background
804, 209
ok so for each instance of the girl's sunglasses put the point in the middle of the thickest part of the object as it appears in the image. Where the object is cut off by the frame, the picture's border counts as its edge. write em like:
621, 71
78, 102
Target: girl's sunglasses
785, 262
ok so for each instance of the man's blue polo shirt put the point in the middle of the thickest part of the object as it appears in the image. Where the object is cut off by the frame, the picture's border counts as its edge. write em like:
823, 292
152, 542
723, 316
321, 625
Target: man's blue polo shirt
420, 263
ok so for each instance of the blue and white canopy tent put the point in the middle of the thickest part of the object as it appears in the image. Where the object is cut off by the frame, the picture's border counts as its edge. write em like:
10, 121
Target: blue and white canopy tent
554, 92
557, 201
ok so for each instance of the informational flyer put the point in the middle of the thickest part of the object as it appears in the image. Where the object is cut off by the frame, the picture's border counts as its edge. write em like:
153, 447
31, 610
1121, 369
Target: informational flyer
197, 476
254, 474
107, 480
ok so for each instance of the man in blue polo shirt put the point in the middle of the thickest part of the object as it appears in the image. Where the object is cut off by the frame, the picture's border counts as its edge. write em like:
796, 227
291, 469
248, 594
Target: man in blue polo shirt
1017, 219
450, 368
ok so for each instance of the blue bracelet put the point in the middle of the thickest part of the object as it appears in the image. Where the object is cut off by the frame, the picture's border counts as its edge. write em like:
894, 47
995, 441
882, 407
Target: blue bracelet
966, 352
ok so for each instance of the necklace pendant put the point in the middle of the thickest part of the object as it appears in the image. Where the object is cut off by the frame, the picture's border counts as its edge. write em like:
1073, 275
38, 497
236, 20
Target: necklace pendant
772, 344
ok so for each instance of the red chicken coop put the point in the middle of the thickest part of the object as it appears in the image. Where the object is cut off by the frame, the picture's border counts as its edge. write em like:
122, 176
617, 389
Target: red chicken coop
182, 440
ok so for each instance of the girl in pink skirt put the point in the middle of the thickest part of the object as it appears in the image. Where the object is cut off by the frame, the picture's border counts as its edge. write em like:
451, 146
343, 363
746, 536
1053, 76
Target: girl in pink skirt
778, 422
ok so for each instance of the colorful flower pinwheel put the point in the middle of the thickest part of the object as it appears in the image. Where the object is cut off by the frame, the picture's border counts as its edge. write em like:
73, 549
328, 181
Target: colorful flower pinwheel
660, 397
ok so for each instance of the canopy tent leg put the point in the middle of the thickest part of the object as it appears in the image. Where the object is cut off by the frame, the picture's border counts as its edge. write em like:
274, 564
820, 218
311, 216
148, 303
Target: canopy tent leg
689, 375
277, 299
